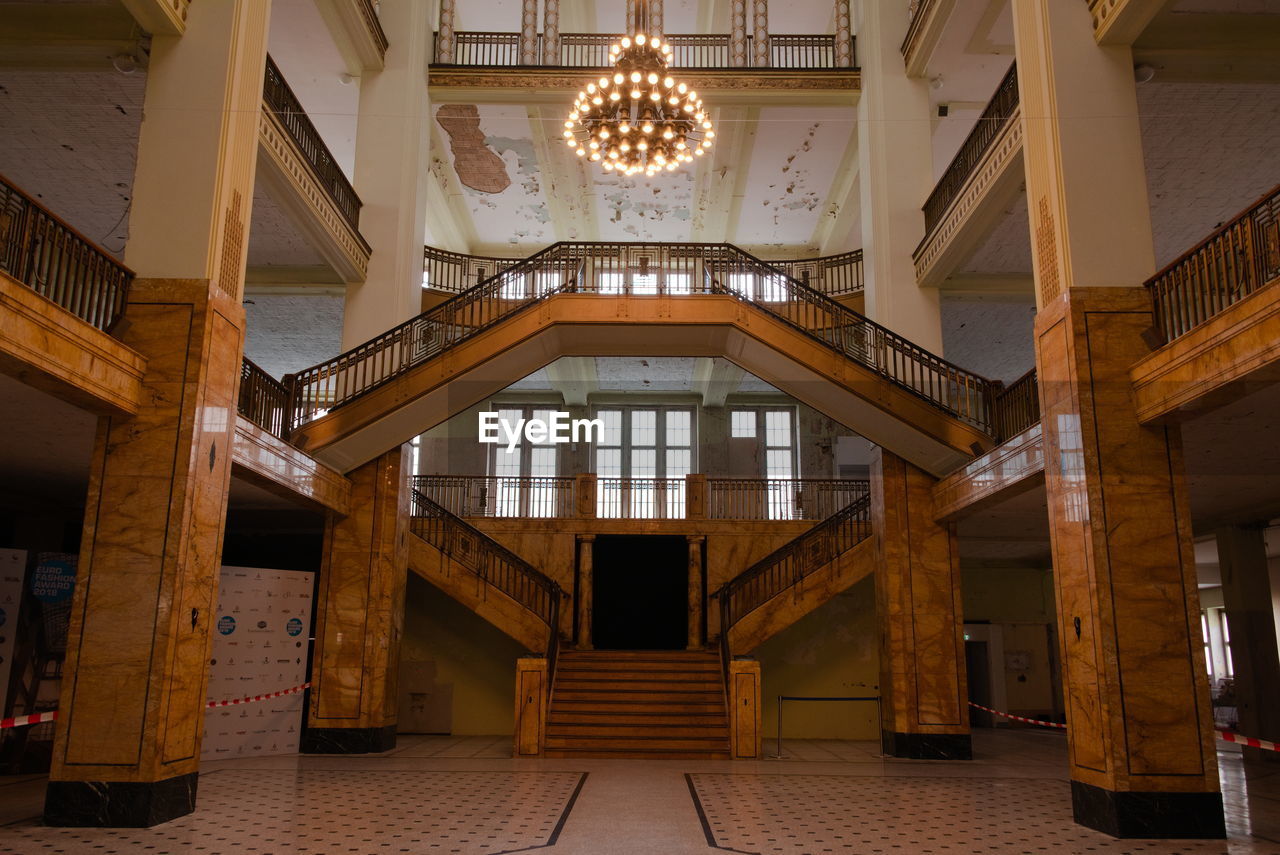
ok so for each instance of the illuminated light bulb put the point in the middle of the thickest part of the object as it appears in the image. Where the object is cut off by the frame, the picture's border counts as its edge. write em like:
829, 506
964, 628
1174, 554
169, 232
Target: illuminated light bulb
604, 133
608, 165
706, 126
680, 145
640, 38
625, 147
568, 124
647, 127
711, 135
682, 88
699, 116
618, 78
581, 152
660, 158
698, 152
615, 95
636, 94
668, 134
693, 96
626, 43
671, 166
595, 155
673, 100
574, 116
593, 145
568, 135
624, 128
591, 88
642, 145
652, 78
635, 77
688, 108
655, 96
604, 83
597, 100
669, 82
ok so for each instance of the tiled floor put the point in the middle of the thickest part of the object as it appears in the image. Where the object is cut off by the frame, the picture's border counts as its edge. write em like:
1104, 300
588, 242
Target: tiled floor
467, 796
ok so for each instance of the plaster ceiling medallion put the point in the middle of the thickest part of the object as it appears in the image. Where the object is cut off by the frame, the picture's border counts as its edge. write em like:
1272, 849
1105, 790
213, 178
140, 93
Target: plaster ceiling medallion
637, 118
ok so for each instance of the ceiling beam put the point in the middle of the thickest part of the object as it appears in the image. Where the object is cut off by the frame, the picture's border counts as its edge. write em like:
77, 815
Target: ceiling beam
575, 378
715, 380
569, 191
716, 183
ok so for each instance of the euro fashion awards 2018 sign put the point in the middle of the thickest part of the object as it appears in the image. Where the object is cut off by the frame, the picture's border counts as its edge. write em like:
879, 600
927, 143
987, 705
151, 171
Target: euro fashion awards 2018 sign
260, 640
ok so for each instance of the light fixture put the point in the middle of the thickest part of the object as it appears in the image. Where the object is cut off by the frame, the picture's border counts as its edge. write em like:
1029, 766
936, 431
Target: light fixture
643, 119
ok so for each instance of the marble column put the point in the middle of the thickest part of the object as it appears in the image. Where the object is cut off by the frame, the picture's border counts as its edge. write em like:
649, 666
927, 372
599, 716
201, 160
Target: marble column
551, 32
392, 176
696, 542
895, 158
1247, 596
844, 35
445, 43
586, 546
529, 32
131, 714
760, 33
738, 33
923, 689
360, 614
1140, 731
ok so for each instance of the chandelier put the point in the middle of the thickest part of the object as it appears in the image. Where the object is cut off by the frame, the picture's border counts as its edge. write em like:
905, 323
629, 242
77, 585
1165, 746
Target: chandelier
638, 118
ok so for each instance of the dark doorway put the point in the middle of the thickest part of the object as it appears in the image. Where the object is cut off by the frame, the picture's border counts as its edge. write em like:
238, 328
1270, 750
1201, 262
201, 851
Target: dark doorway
640, 592
976, 658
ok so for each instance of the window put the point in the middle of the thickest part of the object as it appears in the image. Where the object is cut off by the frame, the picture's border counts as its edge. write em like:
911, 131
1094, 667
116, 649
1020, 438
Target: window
1229, 666
521, 485
641, 460
743, 423
774, 430
1208, 653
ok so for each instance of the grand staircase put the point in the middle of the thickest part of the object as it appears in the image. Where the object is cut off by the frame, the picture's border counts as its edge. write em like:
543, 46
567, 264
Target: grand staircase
638, 703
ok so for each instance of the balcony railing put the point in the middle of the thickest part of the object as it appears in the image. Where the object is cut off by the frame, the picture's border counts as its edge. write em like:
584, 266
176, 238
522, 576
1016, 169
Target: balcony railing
673, 270
57, 262
780, 498
793, 562
1232, 263
640, 498
263, 400
833, 275
501, 496
992, 121
591, 50
489, 560
1017, 407
293, 118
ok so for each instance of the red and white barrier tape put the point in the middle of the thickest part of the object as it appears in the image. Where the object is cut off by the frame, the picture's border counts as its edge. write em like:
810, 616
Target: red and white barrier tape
41, 718
1018, 717
255, 698
25, 720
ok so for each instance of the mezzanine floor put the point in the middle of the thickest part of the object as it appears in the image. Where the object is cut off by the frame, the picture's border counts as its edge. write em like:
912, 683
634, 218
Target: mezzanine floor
466, 796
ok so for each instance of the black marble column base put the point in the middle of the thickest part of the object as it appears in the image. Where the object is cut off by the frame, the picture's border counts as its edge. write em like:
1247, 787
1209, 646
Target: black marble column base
119, 804
927, 746
1156, 815
348, 740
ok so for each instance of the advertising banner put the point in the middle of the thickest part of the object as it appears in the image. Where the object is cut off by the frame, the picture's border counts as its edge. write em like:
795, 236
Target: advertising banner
13, 568
260, 638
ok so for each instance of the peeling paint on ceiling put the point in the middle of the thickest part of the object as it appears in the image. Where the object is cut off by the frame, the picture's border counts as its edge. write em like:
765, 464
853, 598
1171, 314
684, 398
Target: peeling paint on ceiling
478, 167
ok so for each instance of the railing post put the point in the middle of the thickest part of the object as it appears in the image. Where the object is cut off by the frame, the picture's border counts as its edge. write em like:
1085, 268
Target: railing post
695, 496
586, 490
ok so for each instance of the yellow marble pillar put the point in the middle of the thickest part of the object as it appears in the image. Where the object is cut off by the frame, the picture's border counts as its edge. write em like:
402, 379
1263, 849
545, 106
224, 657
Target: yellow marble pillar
131, 713
360, 614
696, 589
532, 692
745, 732
923, 690
586, 546
1140, 732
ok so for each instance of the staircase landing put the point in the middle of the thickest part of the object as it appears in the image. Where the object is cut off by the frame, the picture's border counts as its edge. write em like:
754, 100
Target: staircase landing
638, 703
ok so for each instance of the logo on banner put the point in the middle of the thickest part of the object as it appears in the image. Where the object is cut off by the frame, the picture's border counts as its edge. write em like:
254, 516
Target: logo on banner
226, 624
562, 429
293, 627
54, 579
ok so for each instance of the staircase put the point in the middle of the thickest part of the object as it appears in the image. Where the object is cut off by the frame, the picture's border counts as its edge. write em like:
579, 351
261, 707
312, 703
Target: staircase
638, 703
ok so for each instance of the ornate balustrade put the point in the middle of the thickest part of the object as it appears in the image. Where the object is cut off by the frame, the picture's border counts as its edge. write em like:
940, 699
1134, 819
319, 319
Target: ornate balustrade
999, 110
263, 400
793, 562
633, 269
591, 50
1017, 407
284, 105
641, 498
1235, 261
501, 496
780, 498
57, 262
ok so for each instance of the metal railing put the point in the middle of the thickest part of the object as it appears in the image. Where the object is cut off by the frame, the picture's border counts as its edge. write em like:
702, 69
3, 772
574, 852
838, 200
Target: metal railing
674, 270
780, 498
57, 262
501, 496
1236, 260
591, 50
641, 498
1017, 407
992, 121
791, 563
833, 275
263, 400
487, 559
288, 109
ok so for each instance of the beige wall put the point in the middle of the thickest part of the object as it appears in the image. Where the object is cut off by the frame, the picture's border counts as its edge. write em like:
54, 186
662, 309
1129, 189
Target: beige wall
474, 664
833, 651
1020, 602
